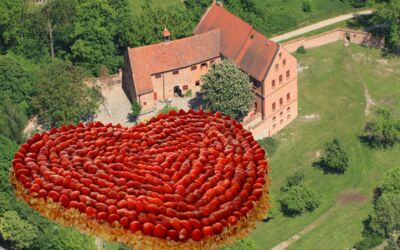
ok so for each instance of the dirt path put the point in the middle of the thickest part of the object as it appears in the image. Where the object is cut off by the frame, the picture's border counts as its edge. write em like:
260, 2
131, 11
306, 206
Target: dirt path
369, 101
319, 25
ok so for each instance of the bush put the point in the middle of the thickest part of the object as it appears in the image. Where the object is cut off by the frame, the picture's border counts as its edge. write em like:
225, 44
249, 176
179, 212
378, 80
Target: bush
188, 93
307, 6
383, 131
301, 50
299, 199
167, 108
270, 145
295, 180
136, 109
391, 181
334, 159
369, 241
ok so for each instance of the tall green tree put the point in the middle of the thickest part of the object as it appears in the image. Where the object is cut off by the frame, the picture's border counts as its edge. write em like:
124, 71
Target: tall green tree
334, 158
94, 31
227, 89
62, 97
388, 13
18, 232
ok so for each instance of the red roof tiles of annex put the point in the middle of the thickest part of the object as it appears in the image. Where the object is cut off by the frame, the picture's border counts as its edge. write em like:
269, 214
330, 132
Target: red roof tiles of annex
166, 56
251, 50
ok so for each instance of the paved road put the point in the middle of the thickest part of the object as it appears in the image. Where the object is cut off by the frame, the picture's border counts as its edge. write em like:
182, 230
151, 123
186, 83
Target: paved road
319, 25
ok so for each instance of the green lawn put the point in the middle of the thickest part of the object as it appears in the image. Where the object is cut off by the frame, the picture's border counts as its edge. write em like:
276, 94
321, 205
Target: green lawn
333, 88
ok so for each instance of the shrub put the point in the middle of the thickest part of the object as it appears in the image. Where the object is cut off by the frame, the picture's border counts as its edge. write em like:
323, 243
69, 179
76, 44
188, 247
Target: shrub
270, 145
334, 159
383, 131
301, 50
188, 93
391, 181
307, 6
167, 108
299, 199
295, 179
136, 109
369, 241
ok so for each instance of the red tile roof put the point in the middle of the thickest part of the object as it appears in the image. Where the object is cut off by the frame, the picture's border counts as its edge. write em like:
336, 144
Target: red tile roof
252, 51
167, 56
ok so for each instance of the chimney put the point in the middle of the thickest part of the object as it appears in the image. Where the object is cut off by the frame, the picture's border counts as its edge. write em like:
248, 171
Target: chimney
166, 34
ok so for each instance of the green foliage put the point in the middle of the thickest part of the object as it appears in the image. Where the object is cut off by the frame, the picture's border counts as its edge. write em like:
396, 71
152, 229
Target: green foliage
388, 13
167, 108
299, 199
17, 76
393, 242
391, 181
270, 145
369, 242
17, 231
334, 158
301, 50
307, 6
386, 216
7, 149
94, 36
227, 89
12, 120
295, 180
136, 108
188, 93
383, 131
61, 96
244, 244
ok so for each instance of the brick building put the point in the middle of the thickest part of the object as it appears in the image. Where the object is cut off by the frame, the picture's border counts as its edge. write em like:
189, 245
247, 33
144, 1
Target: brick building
158, 71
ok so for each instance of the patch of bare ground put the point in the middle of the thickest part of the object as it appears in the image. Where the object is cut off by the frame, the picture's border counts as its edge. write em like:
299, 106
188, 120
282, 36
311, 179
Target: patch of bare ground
350, 196
311, 117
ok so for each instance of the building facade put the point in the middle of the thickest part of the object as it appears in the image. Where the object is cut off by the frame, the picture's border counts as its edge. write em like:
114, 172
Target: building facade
162, 70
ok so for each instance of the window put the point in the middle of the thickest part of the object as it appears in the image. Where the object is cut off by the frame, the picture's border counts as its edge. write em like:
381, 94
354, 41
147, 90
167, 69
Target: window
212, 61
175, 72
197, 83
155, 96
288, 74
144, 103
185, 87
281, 101
281, 121
273, 84
288, 109
204, 65
280, 78
277, 66
274, 126
288, 96
284, 62
273, 106
158, 75
288, 116
281, 113
280, 55
255, 106
193, 67
274, 118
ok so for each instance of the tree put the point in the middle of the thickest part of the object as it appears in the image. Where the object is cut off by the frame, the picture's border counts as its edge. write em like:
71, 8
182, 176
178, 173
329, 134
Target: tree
383, 131
386, 215
307, 6
227, 89
17, 76
388, 13
391, 181
294, 180
393, 241
19, 232
61, 96
12, 120
93, 36
334, 159
299, 199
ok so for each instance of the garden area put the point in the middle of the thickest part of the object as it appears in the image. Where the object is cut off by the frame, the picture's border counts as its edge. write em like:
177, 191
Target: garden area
332, 92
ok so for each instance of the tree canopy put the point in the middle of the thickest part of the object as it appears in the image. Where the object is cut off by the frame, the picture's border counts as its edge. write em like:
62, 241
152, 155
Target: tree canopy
334, 158
227, 89
388, 13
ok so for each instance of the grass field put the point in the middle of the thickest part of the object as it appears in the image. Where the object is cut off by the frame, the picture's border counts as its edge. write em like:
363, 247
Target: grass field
333, 88
281, 15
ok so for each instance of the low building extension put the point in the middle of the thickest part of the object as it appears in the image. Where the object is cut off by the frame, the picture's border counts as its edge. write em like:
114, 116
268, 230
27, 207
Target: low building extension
166, 69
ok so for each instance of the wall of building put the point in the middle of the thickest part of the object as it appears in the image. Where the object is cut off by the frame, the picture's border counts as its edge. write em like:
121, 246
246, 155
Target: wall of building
340, 34
186, 78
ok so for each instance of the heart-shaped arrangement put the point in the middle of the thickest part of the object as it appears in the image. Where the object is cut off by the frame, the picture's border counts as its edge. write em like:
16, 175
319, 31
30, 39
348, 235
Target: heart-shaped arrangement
191, 180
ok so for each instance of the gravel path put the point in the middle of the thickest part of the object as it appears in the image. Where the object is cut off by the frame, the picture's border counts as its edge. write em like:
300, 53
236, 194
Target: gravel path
319, 25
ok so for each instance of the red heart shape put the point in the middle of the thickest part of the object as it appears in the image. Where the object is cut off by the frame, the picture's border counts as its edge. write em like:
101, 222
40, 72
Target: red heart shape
191, 178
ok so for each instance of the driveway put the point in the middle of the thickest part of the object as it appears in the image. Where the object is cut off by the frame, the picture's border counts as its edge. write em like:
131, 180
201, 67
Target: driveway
319, 25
